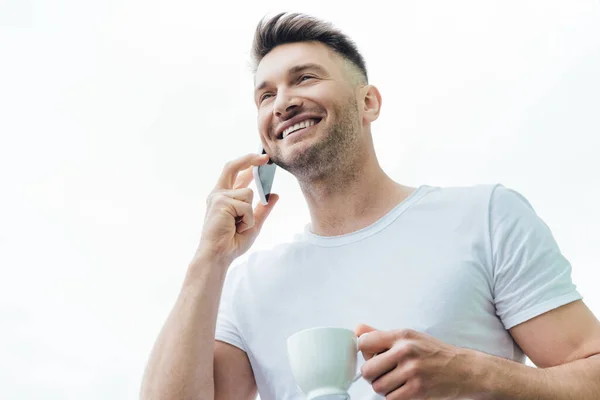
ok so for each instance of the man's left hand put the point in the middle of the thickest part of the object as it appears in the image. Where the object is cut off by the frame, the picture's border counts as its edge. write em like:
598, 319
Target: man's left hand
407, 365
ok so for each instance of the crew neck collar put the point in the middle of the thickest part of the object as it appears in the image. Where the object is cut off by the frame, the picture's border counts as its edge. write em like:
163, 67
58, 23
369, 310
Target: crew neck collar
381, 223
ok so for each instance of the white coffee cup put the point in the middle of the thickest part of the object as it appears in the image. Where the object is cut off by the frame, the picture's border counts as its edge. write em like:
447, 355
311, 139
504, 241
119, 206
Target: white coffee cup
323, 361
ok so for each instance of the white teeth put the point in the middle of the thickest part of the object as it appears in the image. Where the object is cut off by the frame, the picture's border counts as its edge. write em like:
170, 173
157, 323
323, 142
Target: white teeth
304, 124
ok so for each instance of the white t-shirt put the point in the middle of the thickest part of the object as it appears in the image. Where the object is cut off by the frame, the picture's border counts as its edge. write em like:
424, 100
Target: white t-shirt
461, 264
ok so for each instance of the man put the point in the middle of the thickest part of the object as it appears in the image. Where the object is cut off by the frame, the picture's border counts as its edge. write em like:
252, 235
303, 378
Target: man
456, 285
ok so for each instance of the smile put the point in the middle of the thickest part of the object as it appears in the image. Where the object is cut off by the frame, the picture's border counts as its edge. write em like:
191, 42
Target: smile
300, 126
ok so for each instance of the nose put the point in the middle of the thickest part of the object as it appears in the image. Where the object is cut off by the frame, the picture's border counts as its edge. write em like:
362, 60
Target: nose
285, 105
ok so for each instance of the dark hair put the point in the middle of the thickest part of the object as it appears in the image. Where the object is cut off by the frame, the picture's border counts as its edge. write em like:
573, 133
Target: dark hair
296, 27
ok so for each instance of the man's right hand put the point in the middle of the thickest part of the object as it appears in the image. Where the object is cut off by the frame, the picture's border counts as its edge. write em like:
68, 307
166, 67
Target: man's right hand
231, 225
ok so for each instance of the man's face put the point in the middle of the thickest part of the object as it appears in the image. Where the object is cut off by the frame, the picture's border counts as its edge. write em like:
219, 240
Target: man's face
307, 109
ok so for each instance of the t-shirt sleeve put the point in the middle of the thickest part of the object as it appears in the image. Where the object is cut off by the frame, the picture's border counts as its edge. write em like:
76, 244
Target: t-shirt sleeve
531, 275
227, 328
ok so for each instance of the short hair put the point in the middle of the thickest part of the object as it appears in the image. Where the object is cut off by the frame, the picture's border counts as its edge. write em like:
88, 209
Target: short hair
296, 27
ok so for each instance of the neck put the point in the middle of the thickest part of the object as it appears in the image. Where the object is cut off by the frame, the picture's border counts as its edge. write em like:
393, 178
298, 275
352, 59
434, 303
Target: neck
344, 202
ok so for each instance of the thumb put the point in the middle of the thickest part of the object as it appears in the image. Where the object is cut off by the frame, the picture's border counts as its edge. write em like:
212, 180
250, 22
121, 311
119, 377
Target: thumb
361, 329
261, 212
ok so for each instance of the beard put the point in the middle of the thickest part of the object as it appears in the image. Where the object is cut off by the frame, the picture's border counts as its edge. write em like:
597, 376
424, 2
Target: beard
333, 154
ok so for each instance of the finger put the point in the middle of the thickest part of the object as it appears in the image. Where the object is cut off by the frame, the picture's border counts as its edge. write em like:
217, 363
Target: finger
389, 383
386, 361
361, 329
242, 194
376, 342
232, 168
244, 178
412, 388
261, 212
243, 214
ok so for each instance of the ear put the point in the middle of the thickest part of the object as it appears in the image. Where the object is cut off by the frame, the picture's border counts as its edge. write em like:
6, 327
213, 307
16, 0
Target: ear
371, 103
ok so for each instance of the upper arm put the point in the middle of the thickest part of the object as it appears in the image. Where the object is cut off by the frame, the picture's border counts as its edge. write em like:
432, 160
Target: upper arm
559, 336
530, 275
233, 376
533, 292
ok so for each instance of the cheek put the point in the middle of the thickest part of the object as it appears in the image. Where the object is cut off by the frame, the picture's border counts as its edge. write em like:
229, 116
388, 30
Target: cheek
263, 123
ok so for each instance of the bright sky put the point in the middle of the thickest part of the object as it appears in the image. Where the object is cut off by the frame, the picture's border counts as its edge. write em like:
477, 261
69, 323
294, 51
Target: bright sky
117, 116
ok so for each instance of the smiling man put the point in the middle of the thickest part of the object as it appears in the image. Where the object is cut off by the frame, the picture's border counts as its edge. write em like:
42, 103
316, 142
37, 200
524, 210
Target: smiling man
323, 99
457, 285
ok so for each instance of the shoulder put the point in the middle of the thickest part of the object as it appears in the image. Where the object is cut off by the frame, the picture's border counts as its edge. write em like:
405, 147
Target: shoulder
485, 205
494, 195
507, 200
474, 198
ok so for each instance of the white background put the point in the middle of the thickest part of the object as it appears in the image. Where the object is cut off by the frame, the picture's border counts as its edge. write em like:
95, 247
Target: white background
117, 116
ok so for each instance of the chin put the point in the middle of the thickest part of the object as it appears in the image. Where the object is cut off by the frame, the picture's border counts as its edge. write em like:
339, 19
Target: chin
296, 151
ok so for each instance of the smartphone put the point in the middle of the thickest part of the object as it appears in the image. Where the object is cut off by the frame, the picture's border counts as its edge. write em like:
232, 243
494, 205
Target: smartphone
263, 178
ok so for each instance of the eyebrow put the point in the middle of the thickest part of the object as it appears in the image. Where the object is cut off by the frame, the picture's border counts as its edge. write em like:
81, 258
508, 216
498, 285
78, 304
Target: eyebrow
294, 70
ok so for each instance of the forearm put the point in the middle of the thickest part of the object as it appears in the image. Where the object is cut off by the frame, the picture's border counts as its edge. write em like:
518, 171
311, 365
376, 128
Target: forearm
181, 363
507, 380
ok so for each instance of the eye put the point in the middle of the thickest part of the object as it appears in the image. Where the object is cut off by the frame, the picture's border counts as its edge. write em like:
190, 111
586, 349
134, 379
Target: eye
305, 77
265, 96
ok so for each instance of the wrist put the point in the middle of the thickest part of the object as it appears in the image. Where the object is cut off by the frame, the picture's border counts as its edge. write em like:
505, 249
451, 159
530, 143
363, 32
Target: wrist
480, 375
497, 378
211, 256
208, 261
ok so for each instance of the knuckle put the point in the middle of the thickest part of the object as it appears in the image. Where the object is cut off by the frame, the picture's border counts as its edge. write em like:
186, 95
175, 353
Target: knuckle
417, 386
365, 371
219, 201
376, 386
247, 207
410, 349
413, 369
397, 351
247, 193
211, 198
227, 166
379, 387
217, 198
403, 350
407, 333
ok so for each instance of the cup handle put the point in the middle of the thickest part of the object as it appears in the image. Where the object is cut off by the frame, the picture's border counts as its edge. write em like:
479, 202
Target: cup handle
359, 374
